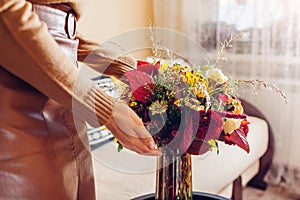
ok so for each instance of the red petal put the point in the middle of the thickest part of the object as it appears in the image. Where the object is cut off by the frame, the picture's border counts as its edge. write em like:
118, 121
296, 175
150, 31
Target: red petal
140, 84
245, 126
157, 65
223, 97
238, 137
140, 62
187, 137
198, 148
188, 143
148, 68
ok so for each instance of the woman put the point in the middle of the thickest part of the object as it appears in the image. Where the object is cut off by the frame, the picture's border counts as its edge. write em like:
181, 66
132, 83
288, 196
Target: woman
44, 150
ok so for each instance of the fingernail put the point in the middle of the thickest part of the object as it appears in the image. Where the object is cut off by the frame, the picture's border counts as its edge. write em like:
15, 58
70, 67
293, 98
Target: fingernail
151, 145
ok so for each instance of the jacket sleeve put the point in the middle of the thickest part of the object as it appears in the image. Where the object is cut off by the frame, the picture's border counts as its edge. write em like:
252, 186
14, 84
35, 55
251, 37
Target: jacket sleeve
29, 52
103, 60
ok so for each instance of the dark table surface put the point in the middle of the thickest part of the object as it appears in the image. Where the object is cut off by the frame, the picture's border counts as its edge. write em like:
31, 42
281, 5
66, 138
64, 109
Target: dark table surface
196, 196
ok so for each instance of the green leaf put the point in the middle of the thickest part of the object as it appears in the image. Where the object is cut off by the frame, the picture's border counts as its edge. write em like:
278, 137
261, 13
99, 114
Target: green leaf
120, 147
218, 149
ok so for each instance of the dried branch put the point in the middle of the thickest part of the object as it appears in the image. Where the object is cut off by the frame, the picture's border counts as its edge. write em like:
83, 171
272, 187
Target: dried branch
153, 43
265, 85
159, 51
227, 44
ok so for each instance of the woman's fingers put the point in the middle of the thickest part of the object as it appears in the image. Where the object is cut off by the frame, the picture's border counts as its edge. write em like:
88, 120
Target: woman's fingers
141, 146
130, 131
147, 139
133, 141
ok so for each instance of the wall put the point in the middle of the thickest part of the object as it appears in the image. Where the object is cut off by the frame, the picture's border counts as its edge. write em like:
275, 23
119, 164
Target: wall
102, 19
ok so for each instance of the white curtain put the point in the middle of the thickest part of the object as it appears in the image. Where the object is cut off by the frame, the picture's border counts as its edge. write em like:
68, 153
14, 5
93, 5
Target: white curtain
269, 50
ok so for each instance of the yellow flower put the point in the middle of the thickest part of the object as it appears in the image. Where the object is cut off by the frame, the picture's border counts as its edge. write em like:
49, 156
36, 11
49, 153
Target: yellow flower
158, 107
177, 102
193, 104
200, 89
231, 124
191, 78
238, 108
163, 67
217, 75
213, 144
133, 103
179, 68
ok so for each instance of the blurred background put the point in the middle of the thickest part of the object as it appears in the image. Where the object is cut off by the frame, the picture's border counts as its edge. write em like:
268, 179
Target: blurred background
269, 50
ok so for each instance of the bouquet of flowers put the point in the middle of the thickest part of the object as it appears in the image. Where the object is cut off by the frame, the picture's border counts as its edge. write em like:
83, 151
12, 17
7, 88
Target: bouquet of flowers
186, 108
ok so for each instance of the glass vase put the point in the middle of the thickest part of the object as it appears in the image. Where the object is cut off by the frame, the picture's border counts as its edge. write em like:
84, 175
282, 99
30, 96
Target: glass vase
174, 177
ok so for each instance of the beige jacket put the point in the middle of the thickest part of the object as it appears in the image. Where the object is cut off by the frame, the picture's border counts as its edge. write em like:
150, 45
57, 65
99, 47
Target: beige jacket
29, 52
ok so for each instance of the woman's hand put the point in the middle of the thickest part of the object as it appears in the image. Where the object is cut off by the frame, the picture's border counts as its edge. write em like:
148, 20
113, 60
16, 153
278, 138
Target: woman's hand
128, 128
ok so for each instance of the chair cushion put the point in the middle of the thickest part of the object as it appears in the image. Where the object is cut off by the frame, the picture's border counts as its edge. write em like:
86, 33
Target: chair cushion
213, 172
